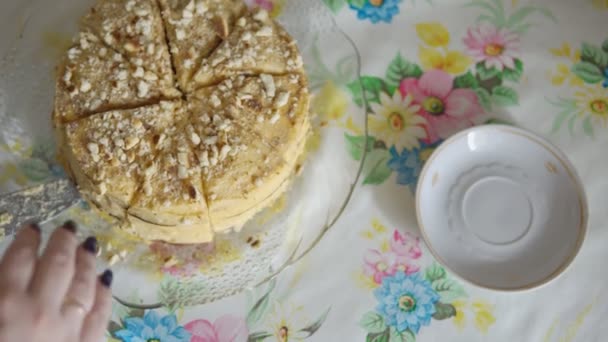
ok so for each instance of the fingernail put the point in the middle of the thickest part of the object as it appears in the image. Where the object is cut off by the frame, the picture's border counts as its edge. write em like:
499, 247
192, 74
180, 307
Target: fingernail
70, 226
34, 226
106, 278
90, 245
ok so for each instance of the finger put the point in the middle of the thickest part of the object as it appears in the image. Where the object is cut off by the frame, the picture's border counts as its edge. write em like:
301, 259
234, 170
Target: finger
96, 322
19, 261
81, 294
55, 270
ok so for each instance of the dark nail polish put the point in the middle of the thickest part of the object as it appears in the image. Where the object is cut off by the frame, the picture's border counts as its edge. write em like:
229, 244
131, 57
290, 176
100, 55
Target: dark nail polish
90, 245
34, 226
70, 226
106, 278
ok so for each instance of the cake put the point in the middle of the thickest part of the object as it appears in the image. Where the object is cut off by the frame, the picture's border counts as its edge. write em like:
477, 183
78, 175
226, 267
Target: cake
181, 118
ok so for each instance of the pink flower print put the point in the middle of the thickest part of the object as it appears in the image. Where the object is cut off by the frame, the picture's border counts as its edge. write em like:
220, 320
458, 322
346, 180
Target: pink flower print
496, 47
403, 264
406, 245
225, 329
446, 110
377, 265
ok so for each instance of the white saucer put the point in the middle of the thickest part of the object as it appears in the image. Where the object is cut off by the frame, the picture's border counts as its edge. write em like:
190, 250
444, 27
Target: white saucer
501, 207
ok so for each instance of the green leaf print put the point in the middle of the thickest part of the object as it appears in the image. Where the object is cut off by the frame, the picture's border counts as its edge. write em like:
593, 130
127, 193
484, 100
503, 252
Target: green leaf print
497, 121
35, 170
313, 328
357, 144
113, 327
588, 126
484, 98
588, 72
372, 87
258, 336
448, 289
372, 322
334, 5
400, 69
444, 311
605, 45
384, 336
514, 75
434, 272
485, 73
505, 96
516, 21
357, 3
376, 164
594, 55
568, 109
406, 336
466, 81
495, 11
260, 308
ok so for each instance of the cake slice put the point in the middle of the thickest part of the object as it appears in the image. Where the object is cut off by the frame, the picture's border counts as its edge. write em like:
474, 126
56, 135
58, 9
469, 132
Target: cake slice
93, 78
170, 204
256, 45
252, 129
195, 28
135, 29
104, 153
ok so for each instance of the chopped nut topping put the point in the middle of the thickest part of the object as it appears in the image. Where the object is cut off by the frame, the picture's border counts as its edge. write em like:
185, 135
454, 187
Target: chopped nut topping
195, 138
201, 7
85, 86
261, 16
182, 172
224, 151
274, 118
265, 31
204, 158
142, 89
241, 22
210, 140
180, 34
215, 101
139, 72
269, 84
130, 142
182, 158
93, 148
282, 99
148, 76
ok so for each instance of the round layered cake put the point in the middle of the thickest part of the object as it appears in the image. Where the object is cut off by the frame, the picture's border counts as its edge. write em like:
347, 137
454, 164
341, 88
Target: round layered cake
181, 118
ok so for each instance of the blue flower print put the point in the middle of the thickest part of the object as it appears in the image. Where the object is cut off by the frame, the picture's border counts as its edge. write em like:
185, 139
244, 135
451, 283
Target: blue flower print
375, 10
406, 301
407, 165
153, 327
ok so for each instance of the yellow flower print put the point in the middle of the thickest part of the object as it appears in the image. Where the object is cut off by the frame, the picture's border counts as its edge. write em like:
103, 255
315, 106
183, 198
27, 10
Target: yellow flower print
330, 103
396, 121
564, 74
460, 318
592, 102
433, 34
600, 4
483, 315
282, 322
452, 62
566, 51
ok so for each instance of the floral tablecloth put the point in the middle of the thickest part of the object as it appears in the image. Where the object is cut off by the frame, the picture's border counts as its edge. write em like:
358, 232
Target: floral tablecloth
429, 69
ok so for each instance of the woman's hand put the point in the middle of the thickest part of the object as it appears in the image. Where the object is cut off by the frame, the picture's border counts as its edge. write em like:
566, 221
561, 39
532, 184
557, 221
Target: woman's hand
56, 296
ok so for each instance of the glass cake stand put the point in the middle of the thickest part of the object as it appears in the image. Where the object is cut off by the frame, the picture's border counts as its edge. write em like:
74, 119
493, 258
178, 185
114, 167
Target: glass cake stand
35, 34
